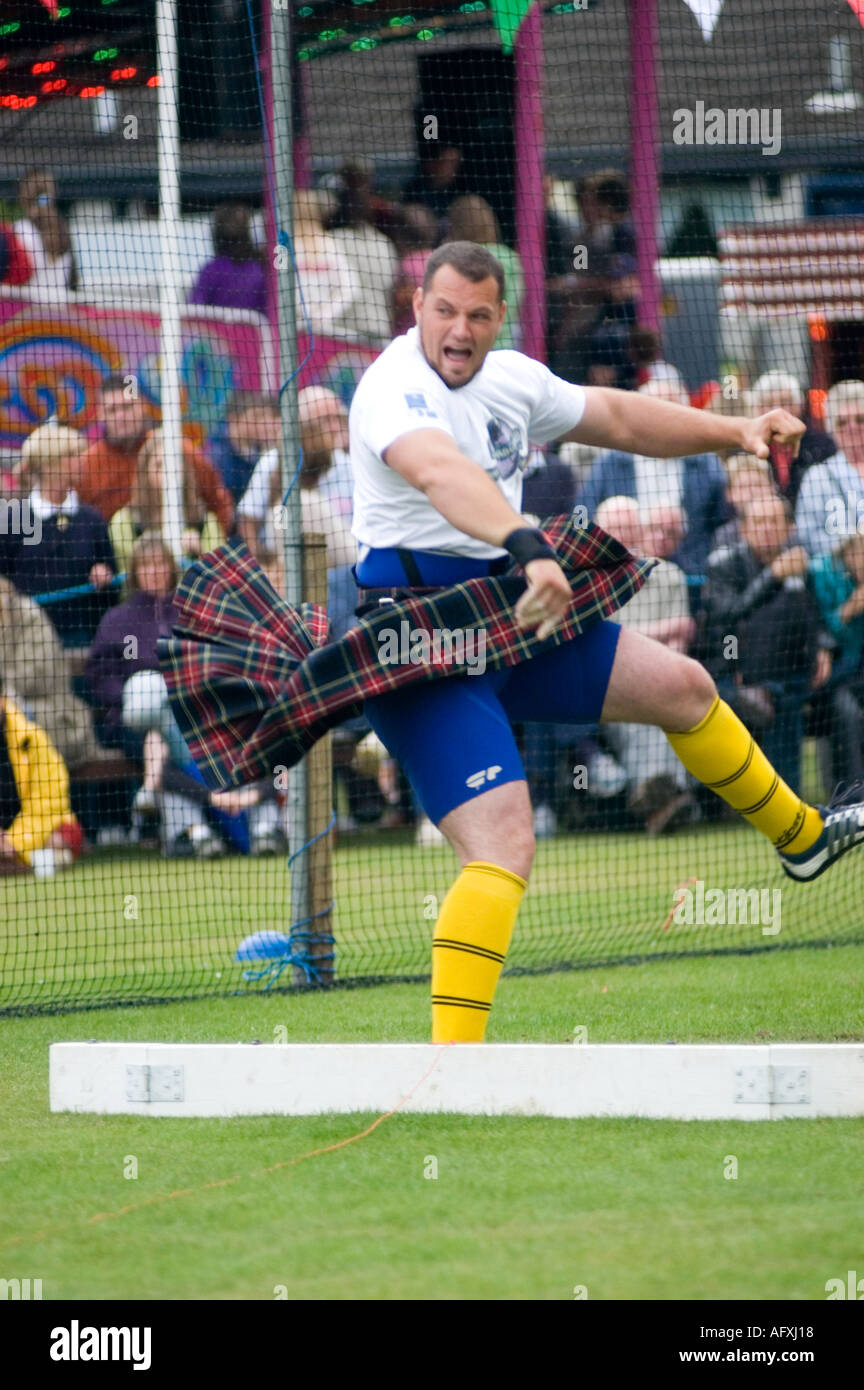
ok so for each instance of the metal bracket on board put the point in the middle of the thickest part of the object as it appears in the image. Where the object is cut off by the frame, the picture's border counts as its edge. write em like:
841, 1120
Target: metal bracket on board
772, 1085
147, 1084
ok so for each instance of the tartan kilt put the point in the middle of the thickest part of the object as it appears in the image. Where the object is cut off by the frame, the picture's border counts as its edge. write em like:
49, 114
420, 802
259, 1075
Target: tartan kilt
253, 682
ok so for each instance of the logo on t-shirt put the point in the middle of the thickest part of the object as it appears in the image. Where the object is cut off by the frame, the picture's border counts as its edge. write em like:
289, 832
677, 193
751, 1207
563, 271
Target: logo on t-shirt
415, 400
505, 445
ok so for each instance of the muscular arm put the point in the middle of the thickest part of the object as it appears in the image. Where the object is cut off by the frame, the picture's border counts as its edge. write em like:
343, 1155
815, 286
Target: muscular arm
466, 496
643, 425
457, 487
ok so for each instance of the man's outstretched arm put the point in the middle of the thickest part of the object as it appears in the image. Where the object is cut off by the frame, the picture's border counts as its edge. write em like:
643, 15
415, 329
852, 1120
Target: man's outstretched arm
644, 425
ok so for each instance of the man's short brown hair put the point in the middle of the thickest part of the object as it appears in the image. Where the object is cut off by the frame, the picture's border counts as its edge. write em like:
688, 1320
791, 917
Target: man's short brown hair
469, 259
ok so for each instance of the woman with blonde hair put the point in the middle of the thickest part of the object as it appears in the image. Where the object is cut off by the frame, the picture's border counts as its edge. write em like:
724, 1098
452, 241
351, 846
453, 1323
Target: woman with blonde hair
371, 255
472, 219
325, 278
61, 549
202, 530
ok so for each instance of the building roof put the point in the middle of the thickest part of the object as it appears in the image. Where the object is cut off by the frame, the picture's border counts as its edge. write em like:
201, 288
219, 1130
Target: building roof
764, 54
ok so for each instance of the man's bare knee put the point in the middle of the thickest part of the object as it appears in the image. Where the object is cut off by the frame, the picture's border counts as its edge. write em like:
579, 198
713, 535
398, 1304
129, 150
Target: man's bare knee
692, 699
496, 828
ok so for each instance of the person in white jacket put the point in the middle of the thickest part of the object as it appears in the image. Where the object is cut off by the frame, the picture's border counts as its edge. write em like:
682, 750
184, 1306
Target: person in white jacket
373, 258
327, 285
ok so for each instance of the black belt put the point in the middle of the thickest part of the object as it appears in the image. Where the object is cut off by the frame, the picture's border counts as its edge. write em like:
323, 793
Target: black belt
371, 599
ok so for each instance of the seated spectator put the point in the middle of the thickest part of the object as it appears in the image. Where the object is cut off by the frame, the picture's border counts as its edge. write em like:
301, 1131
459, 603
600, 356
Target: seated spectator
765, 645
236, 277
604, 206
657, 790
646, 352
110, 465
747, 477
838, 583
325, 481
438, 180
253, 427
558, 227
782, 391
371, 255
133, 715
837, 580
202, 530
38, 832
697, 484
660, 371
549, 486
327, 287
600, 286
126, 644
419, 239
617, 319
472, 219
37, 677
44, 234
831, 497
607, 358
580, 459
69, 546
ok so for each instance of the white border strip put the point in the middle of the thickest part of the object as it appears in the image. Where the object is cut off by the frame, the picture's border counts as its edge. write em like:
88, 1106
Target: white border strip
680, 1082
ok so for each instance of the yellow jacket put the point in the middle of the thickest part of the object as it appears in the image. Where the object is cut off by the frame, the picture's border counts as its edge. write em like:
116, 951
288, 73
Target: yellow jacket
123, 533
42, 781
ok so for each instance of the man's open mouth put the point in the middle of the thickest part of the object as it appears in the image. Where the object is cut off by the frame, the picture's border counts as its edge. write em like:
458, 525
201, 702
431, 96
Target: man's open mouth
457, 354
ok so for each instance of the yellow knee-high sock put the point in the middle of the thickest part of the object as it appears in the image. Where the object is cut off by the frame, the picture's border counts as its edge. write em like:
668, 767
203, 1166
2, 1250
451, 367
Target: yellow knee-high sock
472, 935
720, 752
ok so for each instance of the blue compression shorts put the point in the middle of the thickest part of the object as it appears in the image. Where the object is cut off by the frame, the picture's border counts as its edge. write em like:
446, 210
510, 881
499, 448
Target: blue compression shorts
453, 737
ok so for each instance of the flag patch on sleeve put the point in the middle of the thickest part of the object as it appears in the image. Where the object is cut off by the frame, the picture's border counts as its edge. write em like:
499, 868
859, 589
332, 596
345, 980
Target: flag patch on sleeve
415, 400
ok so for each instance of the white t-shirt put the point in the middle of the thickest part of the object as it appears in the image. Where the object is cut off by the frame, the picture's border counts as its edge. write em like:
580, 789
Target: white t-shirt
374, 260
659, 482
511, 403
322, 508
336, 485
663, 595
49, 277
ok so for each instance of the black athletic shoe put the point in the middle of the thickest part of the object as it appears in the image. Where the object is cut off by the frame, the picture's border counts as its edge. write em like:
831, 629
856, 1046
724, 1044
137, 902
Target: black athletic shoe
842, 831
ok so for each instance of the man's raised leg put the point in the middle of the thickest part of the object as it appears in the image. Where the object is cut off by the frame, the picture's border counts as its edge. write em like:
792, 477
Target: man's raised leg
652, 685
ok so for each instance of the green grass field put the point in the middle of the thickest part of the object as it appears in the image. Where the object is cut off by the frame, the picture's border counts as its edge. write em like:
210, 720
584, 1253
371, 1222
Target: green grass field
520, 1209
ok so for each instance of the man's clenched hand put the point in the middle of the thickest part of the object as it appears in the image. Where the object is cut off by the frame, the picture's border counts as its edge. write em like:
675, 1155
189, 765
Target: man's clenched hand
774, 427
546, 599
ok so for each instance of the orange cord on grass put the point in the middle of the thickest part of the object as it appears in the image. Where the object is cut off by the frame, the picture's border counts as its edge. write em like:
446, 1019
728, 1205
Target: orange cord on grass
226, 1182
682, 888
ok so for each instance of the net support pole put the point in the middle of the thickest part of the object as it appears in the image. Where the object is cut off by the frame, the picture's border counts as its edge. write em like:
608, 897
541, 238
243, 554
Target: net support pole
268, 189
170, 301
319, 794
290, 516
530, 199
645, 154
300, 156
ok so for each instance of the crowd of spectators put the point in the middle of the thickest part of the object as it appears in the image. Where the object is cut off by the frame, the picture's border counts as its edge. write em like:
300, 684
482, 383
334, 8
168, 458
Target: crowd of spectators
761, 562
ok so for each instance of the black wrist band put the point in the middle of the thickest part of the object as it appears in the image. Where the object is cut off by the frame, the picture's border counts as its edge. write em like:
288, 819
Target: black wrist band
528, 543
